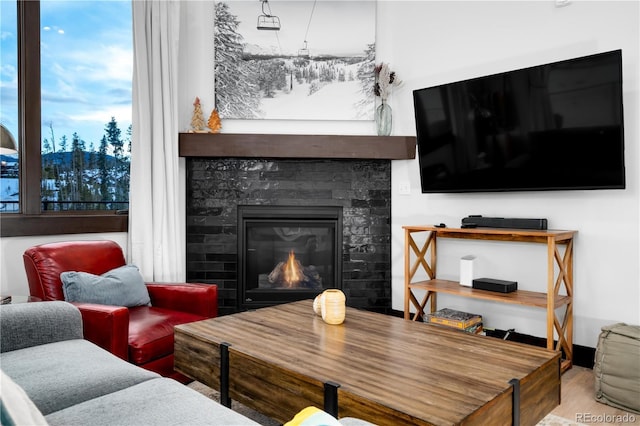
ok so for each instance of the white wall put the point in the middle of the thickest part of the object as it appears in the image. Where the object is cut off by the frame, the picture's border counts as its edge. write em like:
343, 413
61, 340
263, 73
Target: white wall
433, 42
13, 279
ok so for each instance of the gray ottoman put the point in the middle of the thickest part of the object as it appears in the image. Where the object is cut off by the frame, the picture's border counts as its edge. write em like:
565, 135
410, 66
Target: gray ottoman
617, 367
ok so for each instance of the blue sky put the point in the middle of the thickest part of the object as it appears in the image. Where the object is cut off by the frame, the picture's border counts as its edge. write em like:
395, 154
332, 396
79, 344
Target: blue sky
87, 65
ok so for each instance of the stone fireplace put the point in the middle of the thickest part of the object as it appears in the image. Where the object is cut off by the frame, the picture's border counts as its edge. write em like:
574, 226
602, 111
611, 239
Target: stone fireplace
227, 178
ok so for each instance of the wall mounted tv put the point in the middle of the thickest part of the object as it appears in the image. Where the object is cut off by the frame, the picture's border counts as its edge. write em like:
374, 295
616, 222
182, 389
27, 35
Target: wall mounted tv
557, 126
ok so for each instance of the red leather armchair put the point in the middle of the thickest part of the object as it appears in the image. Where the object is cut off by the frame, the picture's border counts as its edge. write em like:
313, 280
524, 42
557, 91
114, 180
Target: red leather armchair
143, 335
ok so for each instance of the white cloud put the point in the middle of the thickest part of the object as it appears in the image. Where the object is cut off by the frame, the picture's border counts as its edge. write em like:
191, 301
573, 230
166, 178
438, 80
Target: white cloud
5, 35
106, 64
103, 116
9, 73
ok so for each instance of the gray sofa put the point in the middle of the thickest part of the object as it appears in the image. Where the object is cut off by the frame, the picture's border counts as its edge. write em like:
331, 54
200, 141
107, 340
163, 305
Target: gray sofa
71, 381
50, 375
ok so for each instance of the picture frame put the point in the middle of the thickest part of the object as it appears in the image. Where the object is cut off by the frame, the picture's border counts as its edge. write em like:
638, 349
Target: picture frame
295, 60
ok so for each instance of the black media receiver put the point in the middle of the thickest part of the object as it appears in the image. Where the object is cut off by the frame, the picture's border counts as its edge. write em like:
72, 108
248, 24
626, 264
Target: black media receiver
493, 284
477, 221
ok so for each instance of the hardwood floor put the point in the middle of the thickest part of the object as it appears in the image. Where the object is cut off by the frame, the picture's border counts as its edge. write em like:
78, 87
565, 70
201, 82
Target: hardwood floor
578, 403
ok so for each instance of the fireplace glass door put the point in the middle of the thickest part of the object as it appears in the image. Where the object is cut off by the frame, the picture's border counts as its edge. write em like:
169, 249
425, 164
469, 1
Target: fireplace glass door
287, 253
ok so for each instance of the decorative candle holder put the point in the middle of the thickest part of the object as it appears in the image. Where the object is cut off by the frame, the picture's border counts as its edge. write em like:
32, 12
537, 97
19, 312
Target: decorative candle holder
332, 306
317, 305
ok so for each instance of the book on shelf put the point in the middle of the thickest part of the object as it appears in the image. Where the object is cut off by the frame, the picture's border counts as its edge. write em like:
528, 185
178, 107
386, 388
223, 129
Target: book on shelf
454, 318
475, 329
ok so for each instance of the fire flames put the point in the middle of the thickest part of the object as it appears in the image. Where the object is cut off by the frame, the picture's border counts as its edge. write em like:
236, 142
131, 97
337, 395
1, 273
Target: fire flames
292, 271
292, 274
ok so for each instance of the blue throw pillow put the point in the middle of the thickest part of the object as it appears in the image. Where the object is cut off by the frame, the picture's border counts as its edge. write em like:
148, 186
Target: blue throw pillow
123, 286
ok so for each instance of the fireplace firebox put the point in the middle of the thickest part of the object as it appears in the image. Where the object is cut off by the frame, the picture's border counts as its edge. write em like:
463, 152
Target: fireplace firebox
287, 253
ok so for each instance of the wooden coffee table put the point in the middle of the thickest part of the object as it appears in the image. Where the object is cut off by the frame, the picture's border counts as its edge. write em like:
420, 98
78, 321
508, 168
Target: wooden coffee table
383, 369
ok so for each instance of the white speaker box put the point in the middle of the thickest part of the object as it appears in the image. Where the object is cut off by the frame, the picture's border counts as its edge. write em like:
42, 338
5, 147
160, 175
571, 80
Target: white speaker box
466, 270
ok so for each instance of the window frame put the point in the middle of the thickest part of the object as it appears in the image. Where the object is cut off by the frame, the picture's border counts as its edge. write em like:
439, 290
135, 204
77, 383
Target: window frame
31, 220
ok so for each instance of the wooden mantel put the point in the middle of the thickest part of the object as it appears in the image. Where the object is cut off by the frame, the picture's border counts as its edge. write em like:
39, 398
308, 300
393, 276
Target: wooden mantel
296, 146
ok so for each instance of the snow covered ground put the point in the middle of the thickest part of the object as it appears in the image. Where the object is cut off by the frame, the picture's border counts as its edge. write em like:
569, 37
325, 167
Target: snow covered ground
335, 101
9, 188
10, 195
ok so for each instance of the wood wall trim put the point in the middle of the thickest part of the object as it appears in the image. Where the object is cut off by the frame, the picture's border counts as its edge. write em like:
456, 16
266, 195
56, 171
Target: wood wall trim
252, 145
62, 223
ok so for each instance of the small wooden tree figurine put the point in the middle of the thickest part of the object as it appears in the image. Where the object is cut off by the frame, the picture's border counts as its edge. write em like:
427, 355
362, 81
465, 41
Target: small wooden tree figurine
197, 120
214, 122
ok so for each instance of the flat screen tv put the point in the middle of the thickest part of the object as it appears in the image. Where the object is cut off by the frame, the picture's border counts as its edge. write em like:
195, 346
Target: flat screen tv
557, 126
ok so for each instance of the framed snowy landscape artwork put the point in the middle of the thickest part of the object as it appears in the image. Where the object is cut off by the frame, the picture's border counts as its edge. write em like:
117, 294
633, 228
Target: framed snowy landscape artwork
295, 60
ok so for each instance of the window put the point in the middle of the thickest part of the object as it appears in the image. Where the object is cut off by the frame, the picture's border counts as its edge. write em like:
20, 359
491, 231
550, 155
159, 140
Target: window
69, 105
9, 171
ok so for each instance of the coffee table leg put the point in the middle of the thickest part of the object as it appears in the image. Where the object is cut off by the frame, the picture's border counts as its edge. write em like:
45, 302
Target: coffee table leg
331, 398
224, 375
515, 383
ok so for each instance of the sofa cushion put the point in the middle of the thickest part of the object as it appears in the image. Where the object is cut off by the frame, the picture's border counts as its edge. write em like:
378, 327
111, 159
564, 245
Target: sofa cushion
37, 323
16, 408
154, 402
151, 332
123, 286
61, 374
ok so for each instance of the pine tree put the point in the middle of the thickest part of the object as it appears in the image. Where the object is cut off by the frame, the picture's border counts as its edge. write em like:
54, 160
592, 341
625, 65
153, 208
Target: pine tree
367, 79
114, 139
112, 132
326, 73
60, 170
342, 75
197, 119
76, 173
214, 122
122, 189
49, 168
103, 171
236, 90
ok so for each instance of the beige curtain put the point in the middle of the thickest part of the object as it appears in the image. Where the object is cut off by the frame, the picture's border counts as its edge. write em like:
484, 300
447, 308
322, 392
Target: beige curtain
156, 240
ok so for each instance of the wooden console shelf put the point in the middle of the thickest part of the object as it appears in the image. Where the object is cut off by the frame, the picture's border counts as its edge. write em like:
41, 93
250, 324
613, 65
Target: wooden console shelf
559, 289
